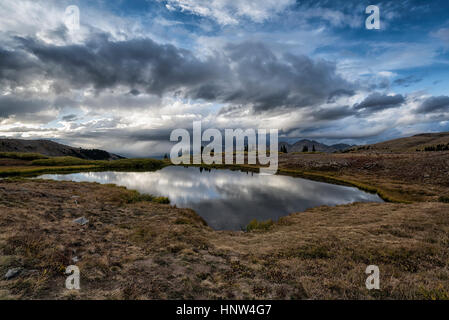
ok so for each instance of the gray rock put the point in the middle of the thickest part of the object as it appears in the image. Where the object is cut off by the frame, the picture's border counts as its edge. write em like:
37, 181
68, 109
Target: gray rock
81, 221
12, 273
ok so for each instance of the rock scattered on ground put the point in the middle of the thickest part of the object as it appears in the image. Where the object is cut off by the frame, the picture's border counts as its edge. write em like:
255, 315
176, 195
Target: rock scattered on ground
81, 221
12, 273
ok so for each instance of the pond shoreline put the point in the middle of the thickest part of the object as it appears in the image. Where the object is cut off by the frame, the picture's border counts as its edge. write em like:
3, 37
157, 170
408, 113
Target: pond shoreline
137, 249
214, 195
134, 249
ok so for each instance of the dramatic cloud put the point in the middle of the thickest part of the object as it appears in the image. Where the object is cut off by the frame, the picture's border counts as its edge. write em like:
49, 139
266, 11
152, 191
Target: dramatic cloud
17, 68
333, 113
137, 63
266, 82
378, 102
10, 105
243, 74
434, 105
135, 70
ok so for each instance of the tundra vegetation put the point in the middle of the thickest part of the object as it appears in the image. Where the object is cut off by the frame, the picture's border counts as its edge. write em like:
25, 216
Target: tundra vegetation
141, 247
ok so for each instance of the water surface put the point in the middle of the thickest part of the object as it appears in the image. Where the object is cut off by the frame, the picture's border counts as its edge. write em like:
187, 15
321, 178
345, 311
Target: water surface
228, 200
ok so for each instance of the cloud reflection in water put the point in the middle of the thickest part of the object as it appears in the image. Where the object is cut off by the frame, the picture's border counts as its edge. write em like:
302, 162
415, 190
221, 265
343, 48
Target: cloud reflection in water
229, 200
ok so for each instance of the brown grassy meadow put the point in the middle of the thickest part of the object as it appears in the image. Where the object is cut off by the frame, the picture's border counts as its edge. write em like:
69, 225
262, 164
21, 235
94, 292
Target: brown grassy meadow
136, 248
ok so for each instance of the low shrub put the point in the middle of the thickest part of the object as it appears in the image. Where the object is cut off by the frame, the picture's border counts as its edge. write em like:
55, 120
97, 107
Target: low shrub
438, 147
163, 200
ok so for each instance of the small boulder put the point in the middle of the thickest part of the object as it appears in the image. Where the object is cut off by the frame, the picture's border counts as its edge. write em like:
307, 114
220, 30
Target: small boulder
12, 273
81, 221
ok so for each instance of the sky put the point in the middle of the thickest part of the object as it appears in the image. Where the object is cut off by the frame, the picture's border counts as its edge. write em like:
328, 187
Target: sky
135, 70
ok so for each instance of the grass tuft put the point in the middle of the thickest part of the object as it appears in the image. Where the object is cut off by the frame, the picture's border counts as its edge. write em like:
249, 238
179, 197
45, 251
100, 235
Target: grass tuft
439, 293
133, 196
259, 225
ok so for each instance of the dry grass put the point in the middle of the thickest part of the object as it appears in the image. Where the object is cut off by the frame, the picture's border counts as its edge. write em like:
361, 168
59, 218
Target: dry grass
23, 164
404, 177
145, 250
137, 247
408, 144
22, 155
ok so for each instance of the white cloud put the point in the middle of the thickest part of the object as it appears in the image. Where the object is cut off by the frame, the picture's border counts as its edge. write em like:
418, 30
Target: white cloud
230, 12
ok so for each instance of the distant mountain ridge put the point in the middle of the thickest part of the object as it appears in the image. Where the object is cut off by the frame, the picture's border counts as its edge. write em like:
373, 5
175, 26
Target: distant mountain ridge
298, 146
54, 149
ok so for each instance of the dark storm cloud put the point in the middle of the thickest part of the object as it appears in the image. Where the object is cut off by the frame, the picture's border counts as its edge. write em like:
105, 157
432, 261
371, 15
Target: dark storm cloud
332, 132
134, 92
340, 93
135, 63
377, 102
69, 118
258, 78
334, 113
434, 105
266, 81
27, 105
17, 68
10, 105
125, 134
26, 129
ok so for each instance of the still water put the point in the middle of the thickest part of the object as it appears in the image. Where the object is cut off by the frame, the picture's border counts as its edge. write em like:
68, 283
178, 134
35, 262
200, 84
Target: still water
228, 200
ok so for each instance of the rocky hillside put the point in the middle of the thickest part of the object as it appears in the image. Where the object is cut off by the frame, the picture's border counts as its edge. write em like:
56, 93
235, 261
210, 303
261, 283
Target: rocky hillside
298, 146
53, 149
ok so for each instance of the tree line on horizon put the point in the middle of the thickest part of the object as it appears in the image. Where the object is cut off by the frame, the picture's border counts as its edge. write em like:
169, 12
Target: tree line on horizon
304, 149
